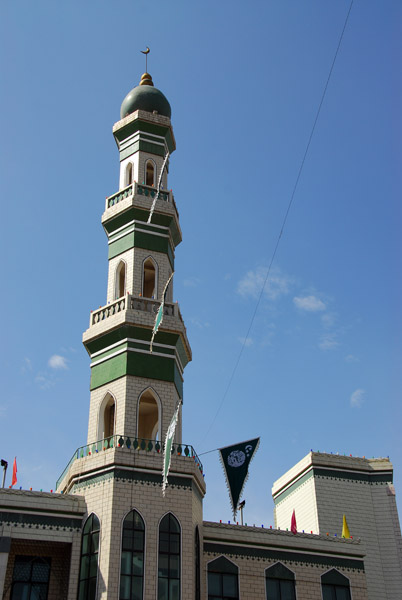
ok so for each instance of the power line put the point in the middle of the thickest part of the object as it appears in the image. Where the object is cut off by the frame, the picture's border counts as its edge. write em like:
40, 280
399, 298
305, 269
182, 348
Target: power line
283, 222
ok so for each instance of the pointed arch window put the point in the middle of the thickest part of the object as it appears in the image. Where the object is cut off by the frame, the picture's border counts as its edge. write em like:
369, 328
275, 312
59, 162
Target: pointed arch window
30, 577
169, 559
280, 583
129, 174
120, 280
149, 173
132, 557
223, 580
89, 559
335, 586
109, 417
149, 279
148, 416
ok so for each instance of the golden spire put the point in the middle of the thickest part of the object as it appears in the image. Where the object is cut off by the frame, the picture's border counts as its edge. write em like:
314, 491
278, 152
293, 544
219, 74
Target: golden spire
146, 79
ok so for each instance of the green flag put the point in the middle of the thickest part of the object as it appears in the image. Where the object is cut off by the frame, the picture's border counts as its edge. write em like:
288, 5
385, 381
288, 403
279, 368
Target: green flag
235, 461
167, 453
159, 314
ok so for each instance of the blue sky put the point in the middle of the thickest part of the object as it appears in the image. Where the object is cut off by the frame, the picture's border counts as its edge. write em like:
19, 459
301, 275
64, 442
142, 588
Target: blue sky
321, 367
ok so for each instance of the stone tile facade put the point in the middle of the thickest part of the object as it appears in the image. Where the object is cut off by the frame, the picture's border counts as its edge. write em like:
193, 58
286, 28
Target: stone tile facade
321, 488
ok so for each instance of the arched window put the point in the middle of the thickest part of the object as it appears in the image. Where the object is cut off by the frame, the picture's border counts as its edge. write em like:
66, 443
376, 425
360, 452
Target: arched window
107, 417
89, 559
148, 416
223, 580
149, 279
335, 586
129, 174
169, 559
149, 173
30, 577
132, 557
280, 583
120, 280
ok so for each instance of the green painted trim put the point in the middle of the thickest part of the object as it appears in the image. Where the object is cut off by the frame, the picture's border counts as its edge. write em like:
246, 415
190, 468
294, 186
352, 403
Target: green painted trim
135, 345
370, 478
351, 476
262, 553
164, 131
122, 219
125, 231
137, 214
108, 371
110, 352
149, 366
142, 145
151, 242
129, 150
120, 334
122, 245
122, 475
293, 487
129, 331
150, 148
138, 228
138, 239
39, 521
28, 509
180, 351
154, 479
178, 380
91, 480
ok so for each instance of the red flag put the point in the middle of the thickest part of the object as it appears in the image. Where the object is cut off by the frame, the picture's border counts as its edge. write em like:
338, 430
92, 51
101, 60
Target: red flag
14, 479
293, 527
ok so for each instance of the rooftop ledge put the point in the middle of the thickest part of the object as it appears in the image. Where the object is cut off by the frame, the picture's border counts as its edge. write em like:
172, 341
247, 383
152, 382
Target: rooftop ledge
136, 310
137, 189
263, 537
142, 197
336, 462
144, 116
126, 450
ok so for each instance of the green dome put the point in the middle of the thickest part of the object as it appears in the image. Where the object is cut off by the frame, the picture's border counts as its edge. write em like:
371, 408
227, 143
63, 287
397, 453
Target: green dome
145, 97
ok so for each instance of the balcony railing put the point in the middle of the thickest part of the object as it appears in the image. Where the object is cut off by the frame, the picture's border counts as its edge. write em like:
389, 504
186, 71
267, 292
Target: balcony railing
132, 444
141, 190
133, 303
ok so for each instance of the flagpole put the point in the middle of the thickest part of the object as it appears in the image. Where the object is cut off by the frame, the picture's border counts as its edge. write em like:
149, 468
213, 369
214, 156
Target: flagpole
241, 506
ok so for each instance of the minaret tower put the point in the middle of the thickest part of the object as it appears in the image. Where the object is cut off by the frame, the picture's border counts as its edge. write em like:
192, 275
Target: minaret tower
134, 392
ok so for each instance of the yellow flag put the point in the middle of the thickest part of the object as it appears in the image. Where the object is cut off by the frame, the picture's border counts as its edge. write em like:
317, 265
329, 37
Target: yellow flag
345, 528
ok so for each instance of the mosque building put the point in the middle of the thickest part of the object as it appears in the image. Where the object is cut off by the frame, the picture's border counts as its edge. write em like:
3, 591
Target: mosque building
108, 531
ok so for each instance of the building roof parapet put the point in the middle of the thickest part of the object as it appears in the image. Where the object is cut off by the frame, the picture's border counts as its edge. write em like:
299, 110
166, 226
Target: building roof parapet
137, 310
91, 461
35, 501
138, 199
125, 127
143, 115
261, 536
339, 464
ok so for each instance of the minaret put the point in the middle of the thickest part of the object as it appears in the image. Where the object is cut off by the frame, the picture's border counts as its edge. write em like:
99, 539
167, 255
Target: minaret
134, 391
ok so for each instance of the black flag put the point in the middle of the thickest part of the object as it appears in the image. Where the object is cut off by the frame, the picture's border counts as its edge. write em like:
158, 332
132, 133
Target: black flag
235, 460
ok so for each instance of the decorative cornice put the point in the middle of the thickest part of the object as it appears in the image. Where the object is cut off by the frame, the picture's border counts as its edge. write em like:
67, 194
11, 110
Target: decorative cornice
294, 558
31, 521
349, 476
119, 474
